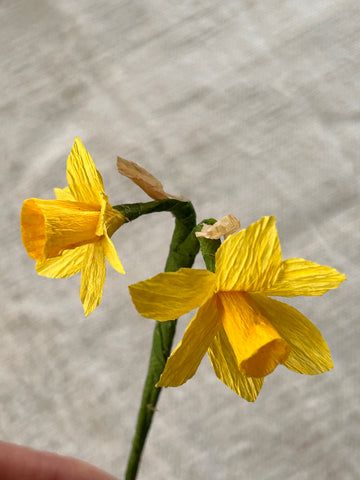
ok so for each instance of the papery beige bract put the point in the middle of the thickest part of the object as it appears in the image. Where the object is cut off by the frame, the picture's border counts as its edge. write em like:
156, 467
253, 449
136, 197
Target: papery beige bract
224, 227
144, 179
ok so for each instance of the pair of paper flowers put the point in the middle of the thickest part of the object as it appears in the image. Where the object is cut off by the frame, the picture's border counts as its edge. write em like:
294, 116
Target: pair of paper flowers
245, 333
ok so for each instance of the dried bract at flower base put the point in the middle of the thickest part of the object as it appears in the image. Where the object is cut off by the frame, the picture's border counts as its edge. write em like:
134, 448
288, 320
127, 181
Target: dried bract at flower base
224, 227
144, 179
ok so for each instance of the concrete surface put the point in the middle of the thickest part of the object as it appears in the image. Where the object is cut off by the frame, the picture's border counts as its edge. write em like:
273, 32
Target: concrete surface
245, 107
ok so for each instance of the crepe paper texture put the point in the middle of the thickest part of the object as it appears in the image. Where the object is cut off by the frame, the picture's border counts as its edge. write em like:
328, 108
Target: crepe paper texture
245, 333
224, 227
72, 233
144, 179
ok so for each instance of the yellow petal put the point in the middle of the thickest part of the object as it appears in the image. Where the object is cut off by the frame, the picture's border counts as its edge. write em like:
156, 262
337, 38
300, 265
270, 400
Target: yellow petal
111, 254
225, 365
170, 295
92, 277
257, 345
50, 226
250, 259
301, 277
64, 194
309, 353
65, 265
109, 219
185, 359
84, 180
113, 220
100, 228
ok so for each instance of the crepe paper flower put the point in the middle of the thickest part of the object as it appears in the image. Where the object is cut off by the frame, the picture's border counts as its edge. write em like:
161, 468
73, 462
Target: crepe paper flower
144, 179
245, 333
224, 227
72, 233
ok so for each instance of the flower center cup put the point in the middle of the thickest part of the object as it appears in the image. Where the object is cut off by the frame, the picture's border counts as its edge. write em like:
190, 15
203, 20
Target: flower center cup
50, 226
257, 345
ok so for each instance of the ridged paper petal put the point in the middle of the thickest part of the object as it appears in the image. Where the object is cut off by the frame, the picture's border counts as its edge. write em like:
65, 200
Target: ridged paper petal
250, 259
109, 219
225, 365
111, 254
65, 265
64, 194
309, 353
84, 179
92, 277
301, 277
185, 359
169, 295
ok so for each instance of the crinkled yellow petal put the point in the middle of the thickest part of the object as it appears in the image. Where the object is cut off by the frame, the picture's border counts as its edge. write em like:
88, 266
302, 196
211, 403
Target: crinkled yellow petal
92, 277
185, 359
225, 365
84, 179
111, 254
50, 226
250, 259
169, 295
309, 353
301, 277
109, 219
65, 265
256, 344
100, 228
64, 194
113, 219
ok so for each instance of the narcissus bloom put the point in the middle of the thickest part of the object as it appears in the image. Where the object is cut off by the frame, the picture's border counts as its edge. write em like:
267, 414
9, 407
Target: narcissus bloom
245, 333
72, 233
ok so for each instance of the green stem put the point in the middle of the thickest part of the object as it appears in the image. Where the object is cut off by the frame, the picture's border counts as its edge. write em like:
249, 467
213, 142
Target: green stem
131, 211
183, 249
208, 247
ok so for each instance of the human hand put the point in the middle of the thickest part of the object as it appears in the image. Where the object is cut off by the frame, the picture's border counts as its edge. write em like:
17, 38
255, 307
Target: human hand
23, 463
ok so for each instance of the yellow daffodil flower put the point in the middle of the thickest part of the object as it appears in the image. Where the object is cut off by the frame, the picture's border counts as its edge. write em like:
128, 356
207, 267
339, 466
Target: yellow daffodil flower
245, 333
72, 233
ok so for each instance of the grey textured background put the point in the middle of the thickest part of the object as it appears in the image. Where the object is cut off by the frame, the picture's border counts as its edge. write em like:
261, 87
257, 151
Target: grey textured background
245, 107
